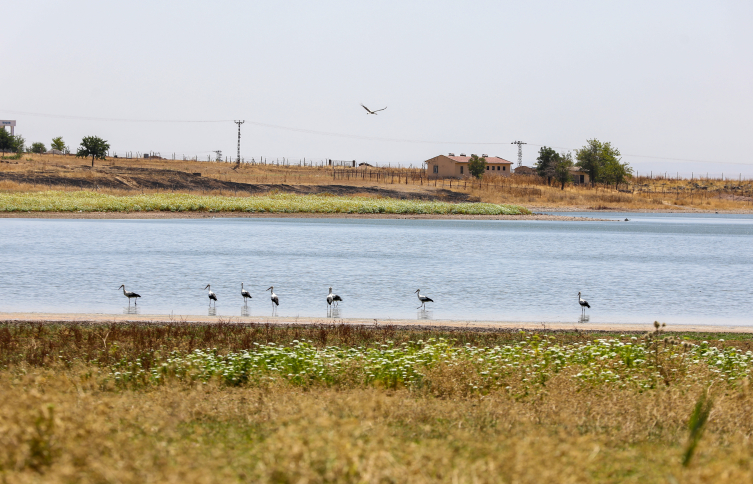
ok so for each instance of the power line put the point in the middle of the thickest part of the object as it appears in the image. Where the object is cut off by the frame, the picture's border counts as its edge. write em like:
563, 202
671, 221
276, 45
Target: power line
256, 123
351, 136
121, 120
687, 160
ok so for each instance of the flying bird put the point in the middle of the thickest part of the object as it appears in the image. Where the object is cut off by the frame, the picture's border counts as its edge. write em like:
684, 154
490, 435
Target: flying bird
423, 299
332, 298
245, 294
212, 296
129, 295
583, 303
373, 112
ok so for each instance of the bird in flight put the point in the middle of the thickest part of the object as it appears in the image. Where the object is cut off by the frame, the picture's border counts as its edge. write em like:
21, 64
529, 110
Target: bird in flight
373, 112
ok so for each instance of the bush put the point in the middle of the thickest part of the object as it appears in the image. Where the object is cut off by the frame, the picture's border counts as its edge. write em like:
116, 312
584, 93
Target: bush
477, 166
9, 142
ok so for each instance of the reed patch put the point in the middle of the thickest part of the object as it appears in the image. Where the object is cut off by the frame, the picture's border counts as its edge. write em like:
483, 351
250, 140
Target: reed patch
87, 201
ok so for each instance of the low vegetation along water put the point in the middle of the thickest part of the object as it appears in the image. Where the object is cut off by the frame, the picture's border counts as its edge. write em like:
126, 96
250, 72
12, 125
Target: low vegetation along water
677, 269
85, 201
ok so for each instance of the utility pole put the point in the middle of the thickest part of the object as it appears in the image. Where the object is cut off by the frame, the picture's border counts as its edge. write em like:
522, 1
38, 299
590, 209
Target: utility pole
238, 160
520, 151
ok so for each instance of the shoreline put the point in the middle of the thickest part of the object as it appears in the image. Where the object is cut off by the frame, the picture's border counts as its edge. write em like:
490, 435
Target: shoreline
638, 210
443, 325
215, 215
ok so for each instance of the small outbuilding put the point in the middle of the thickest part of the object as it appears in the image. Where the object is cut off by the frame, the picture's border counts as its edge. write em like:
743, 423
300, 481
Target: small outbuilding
524, 170
579, 176
451, 166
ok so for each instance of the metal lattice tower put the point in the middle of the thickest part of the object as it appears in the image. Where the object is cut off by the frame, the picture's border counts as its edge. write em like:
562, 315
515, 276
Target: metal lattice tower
520, 151
238, 160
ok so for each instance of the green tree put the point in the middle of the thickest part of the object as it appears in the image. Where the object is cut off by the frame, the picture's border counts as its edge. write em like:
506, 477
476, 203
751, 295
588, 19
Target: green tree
9, 142
613, 172
6, 141
38, 147
477, 166
602, 162
93, 146
562, 169
58, 144
546, 162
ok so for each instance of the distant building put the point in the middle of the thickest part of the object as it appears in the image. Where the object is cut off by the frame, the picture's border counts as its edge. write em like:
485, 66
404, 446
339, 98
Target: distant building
525, 170
579, 176
11, 123
451, 166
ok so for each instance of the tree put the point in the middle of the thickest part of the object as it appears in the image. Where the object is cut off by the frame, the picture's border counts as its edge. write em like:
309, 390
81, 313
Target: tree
477, 166
613, 172
545, 163
58, 144
562, 168
602, 162
9, 142
93, 146
38, 148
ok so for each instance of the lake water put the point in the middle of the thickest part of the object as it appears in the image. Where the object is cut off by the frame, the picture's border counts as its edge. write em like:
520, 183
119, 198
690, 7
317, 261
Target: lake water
671, 268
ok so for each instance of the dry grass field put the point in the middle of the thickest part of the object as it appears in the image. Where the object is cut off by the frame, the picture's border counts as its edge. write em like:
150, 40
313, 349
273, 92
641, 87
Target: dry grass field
121, 176
333, 403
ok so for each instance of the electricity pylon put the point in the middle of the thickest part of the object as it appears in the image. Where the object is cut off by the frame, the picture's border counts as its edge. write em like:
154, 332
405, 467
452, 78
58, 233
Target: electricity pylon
238, 160
520, 151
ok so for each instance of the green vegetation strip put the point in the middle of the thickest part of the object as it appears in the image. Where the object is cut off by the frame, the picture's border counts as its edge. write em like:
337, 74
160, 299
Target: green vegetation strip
85, 201
634, 363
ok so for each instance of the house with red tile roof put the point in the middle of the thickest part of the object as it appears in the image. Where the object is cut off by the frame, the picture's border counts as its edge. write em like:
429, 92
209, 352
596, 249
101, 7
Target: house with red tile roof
451, 166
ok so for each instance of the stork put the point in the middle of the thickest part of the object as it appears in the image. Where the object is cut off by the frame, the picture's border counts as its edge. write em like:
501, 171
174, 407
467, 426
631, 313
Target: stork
423, 299
373, 112
273, 297
212, 296
245, 294
583, 303
129, 295
333, 298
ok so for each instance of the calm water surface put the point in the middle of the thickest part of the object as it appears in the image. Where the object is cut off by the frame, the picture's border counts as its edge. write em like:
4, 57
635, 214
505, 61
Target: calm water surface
674, 268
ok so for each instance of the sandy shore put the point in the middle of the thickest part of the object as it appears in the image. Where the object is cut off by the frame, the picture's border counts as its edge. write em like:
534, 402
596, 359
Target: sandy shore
211, 215
450, 325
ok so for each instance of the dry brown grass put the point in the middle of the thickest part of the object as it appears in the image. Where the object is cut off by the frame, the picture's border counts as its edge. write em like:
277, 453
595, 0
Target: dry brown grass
59, 426
641, 194
65, 422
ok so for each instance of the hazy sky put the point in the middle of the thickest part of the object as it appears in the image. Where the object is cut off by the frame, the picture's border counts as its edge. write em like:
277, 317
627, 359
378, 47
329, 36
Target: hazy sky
664, 79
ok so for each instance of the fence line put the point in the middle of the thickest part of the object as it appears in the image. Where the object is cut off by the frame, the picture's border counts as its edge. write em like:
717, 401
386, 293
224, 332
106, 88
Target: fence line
699, 188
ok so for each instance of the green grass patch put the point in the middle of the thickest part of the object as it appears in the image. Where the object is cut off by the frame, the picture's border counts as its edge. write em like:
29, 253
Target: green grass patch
86, 201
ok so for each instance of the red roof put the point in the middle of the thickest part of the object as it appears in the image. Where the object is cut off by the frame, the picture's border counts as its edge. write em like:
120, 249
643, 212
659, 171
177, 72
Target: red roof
489, 159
